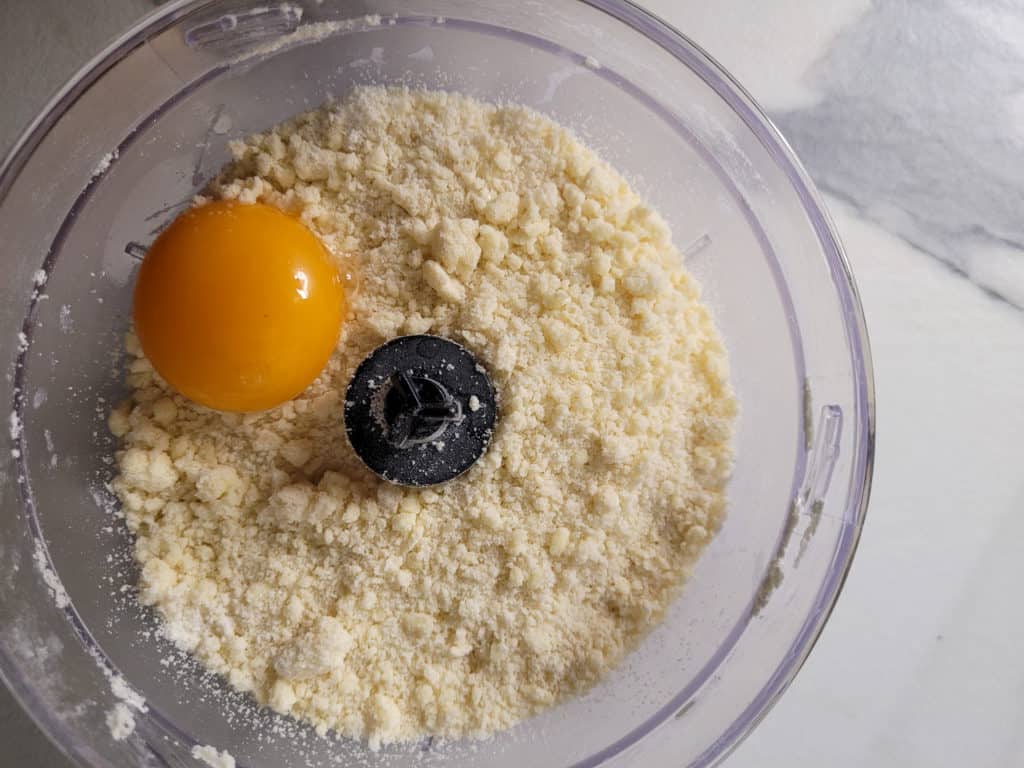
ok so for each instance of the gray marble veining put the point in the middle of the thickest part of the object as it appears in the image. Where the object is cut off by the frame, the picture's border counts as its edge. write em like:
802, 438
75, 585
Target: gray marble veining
921, 126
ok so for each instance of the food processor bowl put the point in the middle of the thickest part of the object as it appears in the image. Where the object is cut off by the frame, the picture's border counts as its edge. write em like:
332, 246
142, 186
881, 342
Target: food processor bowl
123, 147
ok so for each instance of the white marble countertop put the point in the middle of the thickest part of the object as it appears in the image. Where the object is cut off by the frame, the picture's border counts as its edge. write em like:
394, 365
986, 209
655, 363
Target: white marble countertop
910, 117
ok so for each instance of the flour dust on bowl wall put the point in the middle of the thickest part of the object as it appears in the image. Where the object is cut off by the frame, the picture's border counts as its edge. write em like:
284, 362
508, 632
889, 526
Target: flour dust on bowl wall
626, 568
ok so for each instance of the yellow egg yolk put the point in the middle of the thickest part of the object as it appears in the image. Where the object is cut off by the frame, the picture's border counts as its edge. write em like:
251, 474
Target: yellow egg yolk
238, 306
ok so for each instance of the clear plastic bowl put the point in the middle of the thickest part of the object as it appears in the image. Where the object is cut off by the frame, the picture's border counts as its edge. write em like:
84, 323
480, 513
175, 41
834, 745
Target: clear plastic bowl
140, 128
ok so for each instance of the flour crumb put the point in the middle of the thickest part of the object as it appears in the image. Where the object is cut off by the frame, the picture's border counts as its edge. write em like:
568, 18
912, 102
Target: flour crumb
121, 722
104, 164
120, 688
50, 577
120, 719
212, 757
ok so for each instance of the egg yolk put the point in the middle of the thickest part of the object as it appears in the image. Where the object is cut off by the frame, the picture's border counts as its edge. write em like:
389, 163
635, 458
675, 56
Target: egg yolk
238, 306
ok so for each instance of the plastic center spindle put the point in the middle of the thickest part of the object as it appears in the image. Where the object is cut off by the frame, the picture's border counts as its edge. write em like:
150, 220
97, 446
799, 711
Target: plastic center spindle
420, 410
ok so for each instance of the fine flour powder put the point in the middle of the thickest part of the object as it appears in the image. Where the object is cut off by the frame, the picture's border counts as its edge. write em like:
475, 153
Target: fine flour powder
389, 613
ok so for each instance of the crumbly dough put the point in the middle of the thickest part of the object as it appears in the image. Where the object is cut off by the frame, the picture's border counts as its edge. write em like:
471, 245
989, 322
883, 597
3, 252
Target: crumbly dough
389, 613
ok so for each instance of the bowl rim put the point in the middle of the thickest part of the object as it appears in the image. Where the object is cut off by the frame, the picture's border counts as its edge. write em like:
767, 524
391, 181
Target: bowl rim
695, 58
